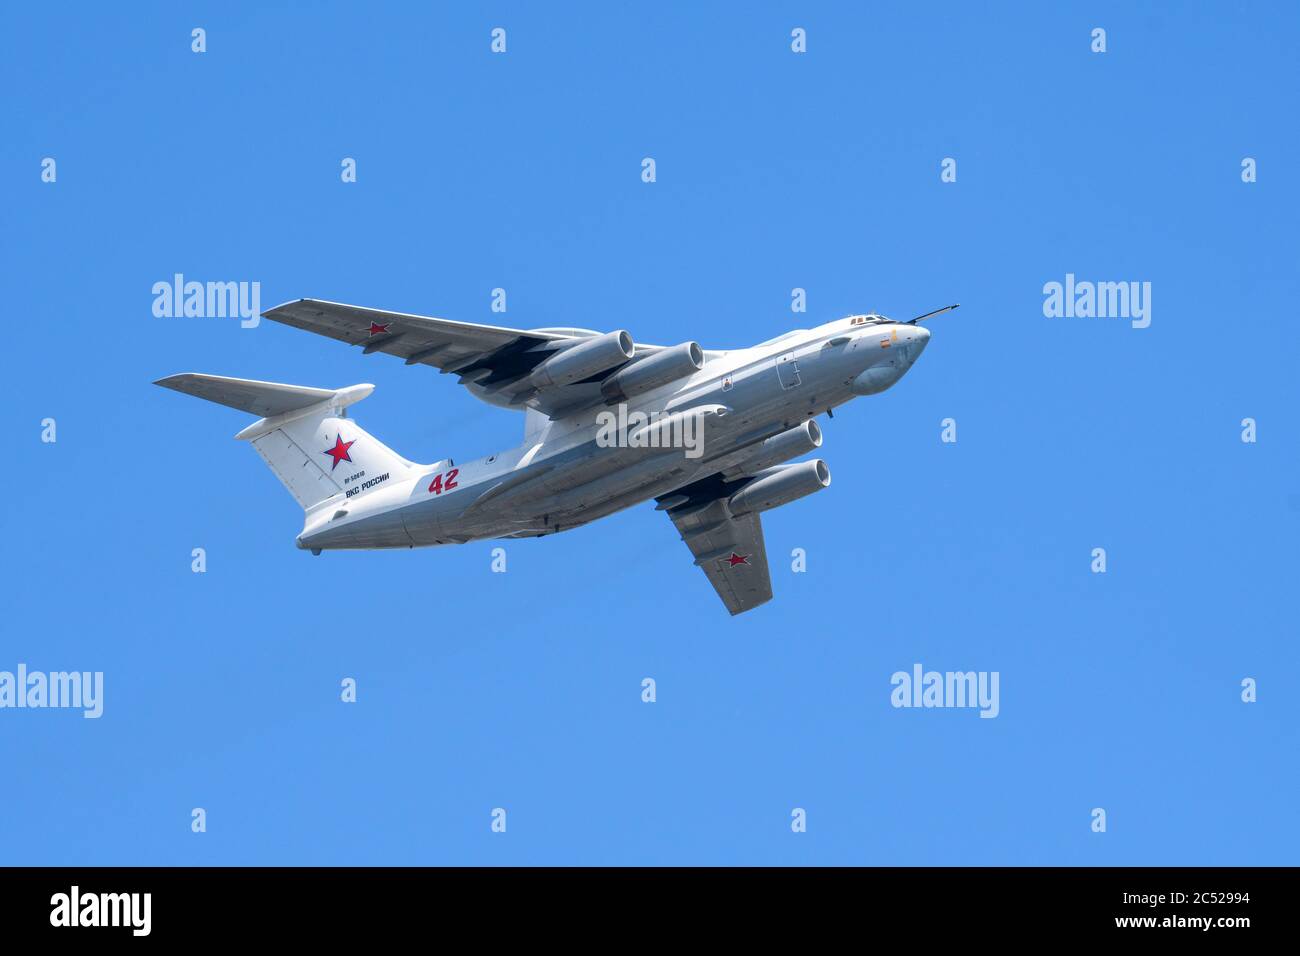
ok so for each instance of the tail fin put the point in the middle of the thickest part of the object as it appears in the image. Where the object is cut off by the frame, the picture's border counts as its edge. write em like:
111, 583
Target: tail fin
303, 435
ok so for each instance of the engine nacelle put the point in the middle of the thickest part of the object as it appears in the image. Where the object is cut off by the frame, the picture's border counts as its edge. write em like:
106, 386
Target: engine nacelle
790, 443
652, 371
589, 357
780, 486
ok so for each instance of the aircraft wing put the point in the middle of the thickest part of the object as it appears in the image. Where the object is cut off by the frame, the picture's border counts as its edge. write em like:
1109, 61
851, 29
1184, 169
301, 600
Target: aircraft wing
730, 550
490, 360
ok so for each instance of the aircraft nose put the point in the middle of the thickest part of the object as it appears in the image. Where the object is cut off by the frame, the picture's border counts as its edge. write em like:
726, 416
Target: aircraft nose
922, 337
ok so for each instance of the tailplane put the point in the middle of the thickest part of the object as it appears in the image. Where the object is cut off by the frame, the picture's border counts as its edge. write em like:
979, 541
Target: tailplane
304, 434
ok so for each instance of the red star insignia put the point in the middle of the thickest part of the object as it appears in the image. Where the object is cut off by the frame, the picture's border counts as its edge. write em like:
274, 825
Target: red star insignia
340, 451
736, 559
377, 329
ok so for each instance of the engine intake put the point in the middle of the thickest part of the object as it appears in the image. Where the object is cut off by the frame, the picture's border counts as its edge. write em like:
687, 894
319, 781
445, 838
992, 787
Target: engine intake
652, 371
780, 486
589, 357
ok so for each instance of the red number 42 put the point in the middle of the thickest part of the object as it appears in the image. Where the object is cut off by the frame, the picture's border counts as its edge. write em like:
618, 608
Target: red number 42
438, 486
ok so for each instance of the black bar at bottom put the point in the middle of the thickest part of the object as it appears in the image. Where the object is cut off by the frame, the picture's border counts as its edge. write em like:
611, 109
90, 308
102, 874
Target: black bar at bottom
333, 905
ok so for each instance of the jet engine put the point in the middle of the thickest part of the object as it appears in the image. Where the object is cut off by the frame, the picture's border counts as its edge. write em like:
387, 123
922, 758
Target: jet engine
780, 486
589, 357
788, 444
652, 371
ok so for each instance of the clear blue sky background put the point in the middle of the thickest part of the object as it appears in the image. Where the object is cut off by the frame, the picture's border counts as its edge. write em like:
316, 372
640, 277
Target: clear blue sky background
775, 170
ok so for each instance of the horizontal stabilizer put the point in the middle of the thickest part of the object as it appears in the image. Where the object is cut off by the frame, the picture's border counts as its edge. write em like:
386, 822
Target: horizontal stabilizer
265, 399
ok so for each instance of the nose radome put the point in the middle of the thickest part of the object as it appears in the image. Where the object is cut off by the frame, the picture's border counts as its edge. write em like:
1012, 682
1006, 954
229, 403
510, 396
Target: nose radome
919, 342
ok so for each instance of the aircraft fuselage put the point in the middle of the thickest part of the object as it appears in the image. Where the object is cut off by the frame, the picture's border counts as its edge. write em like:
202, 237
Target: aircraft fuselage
570, 474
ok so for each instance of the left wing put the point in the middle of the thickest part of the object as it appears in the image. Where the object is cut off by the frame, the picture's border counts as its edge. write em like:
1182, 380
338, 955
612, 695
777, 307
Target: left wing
493, 362
730, 550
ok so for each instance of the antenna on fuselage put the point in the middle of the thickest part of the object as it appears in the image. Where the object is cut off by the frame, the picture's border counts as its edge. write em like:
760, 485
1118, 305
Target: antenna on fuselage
930, 315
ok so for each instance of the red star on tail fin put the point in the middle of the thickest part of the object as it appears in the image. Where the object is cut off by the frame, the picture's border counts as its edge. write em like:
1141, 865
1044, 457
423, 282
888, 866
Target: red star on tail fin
340, 451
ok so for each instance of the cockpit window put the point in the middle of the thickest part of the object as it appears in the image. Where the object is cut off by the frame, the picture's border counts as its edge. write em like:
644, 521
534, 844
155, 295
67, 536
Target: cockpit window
870, 319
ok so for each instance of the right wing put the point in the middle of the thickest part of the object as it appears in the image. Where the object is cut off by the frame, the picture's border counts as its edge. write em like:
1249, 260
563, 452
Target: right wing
491, 361
729, 549
419, 339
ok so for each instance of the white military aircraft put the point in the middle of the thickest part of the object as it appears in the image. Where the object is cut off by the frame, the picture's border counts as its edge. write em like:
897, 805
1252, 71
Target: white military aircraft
608, 423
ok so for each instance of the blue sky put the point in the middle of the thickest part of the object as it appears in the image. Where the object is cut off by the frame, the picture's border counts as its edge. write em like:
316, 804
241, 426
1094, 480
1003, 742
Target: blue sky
775, 170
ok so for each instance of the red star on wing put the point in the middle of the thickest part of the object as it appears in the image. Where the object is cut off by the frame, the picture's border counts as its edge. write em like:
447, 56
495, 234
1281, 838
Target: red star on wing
736, 559
340, 451
377, 329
